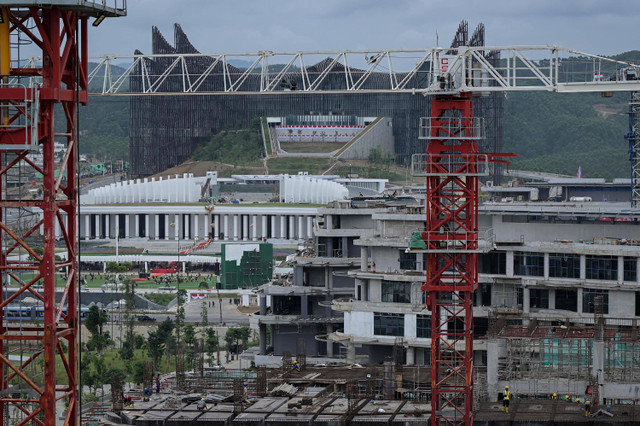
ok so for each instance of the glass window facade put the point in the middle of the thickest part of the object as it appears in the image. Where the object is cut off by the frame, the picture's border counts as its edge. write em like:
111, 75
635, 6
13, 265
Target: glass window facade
602, 268
388, 324
588, 300
396, 291
630, 271
528, 264
539, 298
407, 261
423, 326
567, 300
564, 265
494, 262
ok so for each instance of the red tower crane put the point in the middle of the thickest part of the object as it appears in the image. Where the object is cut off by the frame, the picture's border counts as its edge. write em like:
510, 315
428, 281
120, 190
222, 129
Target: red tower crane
39, 107
452, 166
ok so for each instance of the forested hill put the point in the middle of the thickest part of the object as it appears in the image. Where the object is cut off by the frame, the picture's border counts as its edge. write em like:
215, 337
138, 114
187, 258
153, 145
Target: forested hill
558, 133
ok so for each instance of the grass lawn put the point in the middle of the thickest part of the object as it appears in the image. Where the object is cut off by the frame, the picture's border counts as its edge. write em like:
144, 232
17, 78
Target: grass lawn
100, 279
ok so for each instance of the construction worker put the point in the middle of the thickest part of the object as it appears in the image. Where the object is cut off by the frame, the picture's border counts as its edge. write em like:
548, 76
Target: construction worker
587, 408
202, 404
555, 396
296, 366
506, 396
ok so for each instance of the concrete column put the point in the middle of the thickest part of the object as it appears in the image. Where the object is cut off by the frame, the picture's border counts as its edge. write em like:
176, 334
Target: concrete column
328, 221
496, 349
187, 227
509, 261
304, 306
526, 300
620, 269
235, 227
166, 226
216, 227
597, 368
146, 267
638, 270
546, 266
345, 247
176, 227
137, 225
107, 226
329, 341
146, 226
364, 258
411, 356
300, 234
292, 227
263, 230
262, 302
579, 300
254, 228
99, 226
87, 226
126, 226
552, 299
583, 267
225, 229
283, 227
263, 339
273, 230
245, 227
309, 227
196, 226
156, 226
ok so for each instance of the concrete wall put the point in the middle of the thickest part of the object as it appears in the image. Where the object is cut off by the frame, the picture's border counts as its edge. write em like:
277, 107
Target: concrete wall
378, 134
285, 338
510, 231
386, 258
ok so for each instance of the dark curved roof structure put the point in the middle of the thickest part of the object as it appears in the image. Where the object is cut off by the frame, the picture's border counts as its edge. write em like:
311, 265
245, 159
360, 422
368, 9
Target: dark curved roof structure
165, 130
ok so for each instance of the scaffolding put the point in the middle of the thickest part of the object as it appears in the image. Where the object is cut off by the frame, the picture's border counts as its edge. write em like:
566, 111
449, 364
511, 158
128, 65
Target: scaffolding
301, 353
287, 365
147, 378
238, 395
261, 381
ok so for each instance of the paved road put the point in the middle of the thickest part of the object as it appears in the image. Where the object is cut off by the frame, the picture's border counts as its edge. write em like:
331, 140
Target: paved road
193, 312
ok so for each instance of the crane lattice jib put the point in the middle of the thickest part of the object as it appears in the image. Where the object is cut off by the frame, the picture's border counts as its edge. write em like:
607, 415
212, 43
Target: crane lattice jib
429, 71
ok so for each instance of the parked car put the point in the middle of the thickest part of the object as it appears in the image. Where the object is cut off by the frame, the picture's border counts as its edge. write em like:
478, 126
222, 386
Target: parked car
145, 318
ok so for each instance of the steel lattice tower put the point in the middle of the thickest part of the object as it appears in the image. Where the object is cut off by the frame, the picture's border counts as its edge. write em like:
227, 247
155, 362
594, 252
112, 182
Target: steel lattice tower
30, 98
452, 166
634, 147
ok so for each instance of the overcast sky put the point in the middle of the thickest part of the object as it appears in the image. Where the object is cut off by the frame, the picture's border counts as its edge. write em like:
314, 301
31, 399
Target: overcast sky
592, 26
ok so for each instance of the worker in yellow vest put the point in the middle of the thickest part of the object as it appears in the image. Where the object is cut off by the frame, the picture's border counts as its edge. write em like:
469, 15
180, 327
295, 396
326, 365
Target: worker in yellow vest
587, 408
506, 396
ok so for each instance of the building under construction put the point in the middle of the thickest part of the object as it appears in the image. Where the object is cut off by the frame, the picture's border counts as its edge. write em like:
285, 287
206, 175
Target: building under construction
388, 394
165, 130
